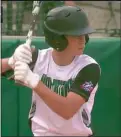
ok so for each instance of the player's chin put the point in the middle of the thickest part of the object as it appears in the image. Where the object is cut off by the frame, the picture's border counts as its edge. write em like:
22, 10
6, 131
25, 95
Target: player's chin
79, 52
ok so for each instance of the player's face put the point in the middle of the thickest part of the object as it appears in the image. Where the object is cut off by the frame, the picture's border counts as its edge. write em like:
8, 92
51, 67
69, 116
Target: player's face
76, 44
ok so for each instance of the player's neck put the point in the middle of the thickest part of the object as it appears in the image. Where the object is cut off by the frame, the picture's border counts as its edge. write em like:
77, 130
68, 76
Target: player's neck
62, 59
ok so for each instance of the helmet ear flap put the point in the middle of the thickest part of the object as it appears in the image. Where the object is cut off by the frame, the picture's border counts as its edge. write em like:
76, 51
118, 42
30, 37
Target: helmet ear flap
86, 39
59, 42
56, 41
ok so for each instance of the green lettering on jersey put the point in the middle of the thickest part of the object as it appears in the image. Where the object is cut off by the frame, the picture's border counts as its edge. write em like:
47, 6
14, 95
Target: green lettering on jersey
59, 86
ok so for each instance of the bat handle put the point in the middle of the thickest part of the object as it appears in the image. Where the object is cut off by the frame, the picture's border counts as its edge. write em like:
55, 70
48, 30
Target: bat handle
28, 42
29, 38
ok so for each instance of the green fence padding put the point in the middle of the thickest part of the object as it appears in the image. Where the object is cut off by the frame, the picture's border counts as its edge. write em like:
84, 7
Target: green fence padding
8, 47
9, 116
106, 114
24, 107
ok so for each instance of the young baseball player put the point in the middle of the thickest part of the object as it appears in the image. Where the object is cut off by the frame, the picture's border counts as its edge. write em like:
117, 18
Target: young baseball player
64, 80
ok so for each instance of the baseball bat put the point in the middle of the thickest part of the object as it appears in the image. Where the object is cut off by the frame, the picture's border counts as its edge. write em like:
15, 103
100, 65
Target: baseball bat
35, 13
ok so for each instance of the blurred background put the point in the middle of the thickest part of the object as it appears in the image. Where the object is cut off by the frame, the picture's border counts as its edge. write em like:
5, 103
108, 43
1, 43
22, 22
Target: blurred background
104, 16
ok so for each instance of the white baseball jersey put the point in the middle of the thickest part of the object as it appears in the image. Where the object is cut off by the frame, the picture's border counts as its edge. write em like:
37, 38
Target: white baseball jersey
59, 78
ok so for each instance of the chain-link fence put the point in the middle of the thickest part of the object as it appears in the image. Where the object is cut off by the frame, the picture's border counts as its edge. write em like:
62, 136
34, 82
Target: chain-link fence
104, 16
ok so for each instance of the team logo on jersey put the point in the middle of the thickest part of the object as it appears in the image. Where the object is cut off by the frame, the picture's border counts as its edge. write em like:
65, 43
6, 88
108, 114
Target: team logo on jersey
87, 86
59, 86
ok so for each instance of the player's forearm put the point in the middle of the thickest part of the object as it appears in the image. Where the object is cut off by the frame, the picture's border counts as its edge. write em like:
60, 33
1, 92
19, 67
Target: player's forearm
4, 65
57, 103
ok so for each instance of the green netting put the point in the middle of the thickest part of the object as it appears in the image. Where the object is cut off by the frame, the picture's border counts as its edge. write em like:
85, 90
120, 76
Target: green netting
17, 16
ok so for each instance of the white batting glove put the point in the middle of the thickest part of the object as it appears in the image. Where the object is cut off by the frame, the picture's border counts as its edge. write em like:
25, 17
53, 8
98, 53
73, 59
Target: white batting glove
23, 73
22, 53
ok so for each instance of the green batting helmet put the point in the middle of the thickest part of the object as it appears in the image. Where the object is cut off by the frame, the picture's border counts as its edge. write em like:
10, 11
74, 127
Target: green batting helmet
65, 20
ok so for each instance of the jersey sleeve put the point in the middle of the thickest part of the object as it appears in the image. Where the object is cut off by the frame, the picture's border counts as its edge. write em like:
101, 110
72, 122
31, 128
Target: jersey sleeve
86, 80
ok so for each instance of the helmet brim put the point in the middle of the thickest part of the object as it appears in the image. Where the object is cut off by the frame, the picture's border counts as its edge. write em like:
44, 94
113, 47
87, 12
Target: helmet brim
78, 32
81, 31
